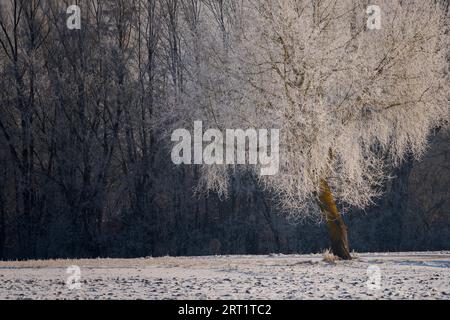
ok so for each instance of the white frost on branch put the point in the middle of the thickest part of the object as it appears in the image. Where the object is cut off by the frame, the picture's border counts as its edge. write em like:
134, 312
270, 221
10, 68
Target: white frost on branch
350, 102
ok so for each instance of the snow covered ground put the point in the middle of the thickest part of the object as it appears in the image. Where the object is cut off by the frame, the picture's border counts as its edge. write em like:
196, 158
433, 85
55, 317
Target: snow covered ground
370, 276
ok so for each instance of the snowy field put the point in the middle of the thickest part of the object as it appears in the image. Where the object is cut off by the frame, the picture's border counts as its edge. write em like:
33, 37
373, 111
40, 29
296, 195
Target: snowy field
370, 276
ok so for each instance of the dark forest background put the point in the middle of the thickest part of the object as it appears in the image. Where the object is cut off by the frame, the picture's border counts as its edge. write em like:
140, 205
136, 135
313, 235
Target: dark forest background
84, 161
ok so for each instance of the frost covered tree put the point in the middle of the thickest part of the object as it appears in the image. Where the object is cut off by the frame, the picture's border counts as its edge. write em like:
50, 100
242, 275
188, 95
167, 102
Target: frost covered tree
351, 102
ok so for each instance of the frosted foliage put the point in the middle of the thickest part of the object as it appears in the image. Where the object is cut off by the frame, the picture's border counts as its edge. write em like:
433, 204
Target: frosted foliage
350, 102
214, 178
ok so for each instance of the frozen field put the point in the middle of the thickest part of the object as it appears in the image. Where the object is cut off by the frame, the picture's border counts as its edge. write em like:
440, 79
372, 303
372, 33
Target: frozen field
390, 276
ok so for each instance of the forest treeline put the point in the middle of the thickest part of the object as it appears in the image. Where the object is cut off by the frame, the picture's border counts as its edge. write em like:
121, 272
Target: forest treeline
84, 154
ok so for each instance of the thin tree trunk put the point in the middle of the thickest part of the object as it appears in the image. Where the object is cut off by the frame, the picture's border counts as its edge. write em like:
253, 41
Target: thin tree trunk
2, 224
336, 226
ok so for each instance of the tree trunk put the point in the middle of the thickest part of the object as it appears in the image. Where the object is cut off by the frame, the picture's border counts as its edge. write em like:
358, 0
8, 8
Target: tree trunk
2, 224
336, 226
